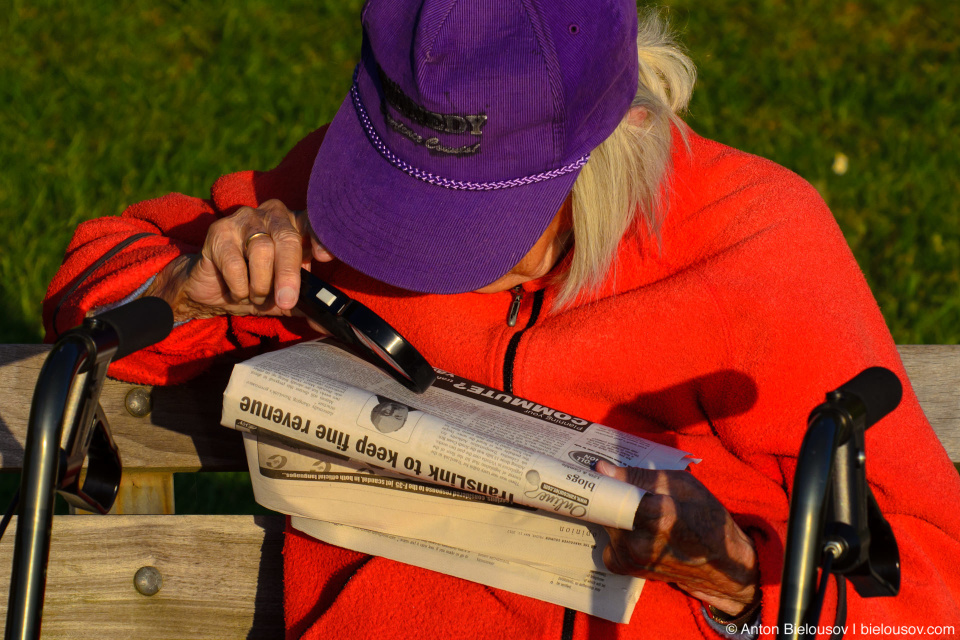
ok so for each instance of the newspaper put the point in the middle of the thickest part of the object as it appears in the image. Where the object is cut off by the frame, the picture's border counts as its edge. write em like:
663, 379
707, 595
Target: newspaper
599, 593
330, 437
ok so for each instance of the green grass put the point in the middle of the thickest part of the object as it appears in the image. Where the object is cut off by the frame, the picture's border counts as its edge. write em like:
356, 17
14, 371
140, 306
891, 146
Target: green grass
876, 80
105, 104
110, 103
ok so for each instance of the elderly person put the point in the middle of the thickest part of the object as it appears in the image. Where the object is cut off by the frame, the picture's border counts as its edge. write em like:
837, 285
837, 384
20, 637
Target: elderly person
509, 184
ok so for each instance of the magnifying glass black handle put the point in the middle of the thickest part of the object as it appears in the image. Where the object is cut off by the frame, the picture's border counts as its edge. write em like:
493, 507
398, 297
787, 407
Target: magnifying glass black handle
324, 304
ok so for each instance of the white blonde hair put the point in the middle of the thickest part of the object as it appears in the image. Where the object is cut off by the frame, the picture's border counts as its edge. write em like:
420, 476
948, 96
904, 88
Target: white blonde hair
625, 175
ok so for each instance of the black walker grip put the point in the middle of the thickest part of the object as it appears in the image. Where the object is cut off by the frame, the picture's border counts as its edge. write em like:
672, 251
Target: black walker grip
878, 389
138, 324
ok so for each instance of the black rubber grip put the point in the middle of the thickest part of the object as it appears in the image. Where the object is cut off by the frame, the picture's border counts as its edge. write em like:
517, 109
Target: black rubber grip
139, 324
878, 389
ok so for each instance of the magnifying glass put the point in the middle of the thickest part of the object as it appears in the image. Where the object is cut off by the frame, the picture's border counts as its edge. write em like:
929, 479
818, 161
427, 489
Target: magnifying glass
354, 324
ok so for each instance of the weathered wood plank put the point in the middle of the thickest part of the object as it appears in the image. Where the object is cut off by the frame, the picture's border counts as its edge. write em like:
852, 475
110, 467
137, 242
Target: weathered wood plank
140, 493
144, 493
182, 433
934, 372
222, 577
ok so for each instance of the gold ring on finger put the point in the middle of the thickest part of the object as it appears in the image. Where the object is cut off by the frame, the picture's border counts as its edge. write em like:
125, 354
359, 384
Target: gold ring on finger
251, 237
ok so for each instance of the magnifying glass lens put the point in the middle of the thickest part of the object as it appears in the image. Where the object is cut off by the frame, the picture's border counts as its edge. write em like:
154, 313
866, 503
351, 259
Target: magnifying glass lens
380, 352
355, 324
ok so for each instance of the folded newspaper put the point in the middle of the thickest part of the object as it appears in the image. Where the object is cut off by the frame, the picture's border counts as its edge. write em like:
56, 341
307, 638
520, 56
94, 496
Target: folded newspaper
463, 479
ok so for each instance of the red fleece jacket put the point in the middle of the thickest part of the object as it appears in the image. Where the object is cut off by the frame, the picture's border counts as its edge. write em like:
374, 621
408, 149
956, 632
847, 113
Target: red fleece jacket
720, 342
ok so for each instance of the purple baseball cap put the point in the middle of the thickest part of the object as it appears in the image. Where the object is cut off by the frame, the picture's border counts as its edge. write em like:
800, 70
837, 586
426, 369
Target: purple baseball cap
464, 131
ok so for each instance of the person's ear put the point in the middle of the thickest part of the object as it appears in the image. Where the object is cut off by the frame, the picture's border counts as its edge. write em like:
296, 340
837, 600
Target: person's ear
635, 116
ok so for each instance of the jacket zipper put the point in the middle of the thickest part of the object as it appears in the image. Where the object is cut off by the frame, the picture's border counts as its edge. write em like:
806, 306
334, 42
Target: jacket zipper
515, 306
511, 353
569, 615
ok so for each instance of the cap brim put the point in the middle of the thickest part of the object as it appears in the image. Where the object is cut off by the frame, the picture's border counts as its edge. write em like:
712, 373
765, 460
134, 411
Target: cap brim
413, 234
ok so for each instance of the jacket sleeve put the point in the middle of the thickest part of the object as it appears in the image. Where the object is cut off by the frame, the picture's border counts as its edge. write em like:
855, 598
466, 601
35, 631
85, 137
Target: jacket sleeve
110, 258
800, 321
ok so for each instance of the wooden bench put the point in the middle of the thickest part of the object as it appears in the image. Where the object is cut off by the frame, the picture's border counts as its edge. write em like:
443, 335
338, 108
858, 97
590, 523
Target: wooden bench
222, 575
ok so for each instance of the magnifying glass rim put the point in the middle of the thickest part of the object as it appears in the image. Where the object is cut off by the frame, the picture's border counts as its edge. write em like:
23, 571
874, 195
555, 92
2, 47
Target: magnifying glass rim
380, 351
349, 319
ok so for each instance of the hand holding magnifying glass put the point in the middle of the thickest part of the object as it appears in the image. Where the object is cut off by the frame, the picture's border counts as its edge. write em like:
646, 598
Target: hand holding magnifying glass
249, 265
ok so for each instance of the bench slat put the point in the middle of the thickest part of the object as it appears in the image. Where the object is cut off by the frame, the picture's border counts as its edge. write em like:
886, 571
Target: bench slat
934, 372
222, 577
189, 437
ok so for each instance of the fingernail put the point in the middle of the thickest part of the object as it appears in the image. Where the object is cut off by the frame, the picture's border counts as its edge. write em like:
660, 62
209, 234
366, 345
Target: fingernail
286, 297
603, 467
320, 252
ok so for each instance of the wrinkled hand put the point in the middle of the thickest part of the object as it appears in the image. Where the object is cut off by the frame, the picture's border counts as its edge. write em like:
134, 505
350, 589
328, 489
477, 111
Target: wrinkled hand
682, 534
249, 265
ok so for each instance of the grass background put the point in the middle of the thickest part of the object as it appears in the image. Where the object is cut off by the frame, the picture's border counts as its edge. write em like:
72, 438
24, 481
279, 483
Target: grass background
105, 104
